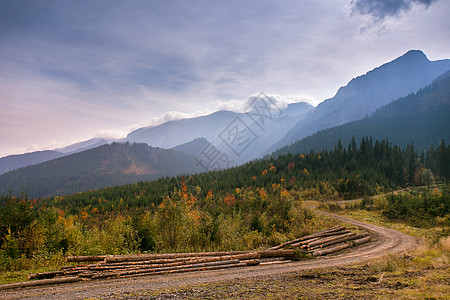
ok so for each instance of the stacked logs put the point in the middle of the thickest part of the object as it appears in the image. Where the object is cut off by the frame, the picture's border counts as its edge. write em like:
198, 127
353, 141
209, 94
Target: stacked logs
118, 266
328, 241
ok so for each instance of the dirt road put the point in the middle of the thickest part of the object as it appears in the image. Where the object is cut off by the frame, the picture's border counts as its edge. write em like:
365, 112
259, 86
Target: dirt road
384, 240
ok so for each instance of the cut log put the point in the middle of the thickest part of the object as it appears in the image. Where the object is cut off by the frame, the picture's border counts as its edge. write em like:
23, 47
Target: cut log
275, 262
139, 257
164, 269
251, 262
45, 275
327, 239
341, 247
326, 231
39, 282
143, 265
276, 253
241, 264
85, 258
301, 243
339, 240
361, 241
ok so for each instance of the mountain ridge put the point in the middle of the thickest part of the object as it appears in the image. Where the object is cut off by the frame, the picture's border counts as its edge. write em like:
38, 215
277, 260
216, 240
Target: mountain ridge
364, 94
421, 117
106, 165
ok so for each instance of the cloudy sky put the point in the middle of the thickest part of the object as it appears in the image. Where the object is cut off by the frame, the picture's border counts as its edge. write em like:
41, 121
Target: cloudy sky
72, 70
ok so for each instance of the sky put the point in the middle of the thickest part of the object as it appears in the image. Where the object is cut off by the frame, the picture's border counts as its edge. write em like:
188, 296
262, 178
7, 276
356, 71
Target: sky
73, 70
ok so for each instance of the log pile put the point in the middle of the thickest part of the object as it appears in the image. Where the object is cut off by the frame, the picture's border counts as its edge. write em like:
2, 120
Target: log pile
327, 241
118, 266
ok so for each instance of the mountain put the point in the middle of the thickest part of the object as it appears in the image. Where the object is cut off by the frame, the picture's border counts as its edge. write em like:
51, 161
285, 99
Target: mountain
366, 93
107, 165
422, 117
174, 133
13, 162
193, 147
81, 146
239, 136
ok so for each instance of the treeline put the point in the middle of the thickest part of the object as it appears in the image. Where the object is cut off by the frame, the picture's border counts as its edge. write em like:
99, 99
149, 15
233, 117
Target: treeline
355, 170
422, 207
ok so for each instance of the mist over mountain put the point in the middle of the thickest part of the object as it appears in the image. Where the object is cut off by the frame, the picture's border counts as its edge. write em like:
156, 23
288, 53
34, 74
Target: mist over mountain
366, 93
262, 124
107, 165
421, 117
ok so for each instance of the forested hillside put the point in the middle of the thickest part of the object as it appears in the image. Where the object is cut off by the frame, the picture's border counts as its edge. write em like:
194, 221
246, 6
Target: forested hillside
348, 171
422, 117
107, 165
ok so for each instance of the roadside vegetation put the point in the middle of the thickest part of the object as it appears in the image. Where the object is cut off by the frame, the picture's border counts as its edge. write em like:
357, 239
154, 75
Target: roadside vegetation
419, 274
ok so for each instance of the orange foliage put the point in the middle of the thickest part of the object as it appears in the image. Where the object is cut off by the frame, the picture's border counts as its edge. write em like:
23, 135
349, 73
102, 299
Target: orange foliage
84, 215
263, 194
185, 195
209, 196
284, 194
229, 200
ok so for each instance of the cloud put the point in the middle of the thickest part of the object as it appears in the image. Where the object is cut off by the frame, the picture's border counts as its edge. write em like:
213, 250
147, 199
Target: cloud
380, 10
275, 101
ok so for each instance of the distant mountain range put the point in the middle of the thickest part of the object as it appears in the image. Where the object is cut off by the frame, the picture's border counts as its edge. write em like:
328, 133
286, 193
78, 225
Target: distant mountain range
263, 124
422, 117
365, 94
13, 162
235, 138
107, 165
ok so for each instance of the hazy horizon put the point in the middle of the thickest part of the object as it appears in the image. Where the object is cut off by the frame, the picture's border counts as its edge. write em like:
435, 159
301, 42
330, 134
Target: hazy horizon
71, 71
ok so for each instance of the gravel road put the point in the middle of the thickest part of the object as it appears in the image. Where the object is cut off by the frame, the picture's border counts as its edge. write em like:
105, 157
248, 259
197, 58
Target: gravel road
383, 240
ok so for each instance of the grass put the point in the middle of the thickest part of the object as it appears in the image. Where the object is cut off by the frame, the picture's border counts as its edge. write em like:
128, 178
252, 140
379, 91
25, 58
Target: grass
18, 269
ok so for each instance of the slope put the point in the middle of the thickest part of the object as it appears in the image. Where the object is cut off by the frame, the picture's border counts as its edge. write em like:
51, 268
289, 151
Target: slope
263, 123
364, 94
107, 165
422, 117
13, 162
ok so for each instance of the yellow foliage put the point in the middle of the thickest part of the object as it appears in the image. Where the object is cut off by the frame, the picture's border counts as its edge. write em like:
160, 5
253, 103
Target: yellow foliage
305, 171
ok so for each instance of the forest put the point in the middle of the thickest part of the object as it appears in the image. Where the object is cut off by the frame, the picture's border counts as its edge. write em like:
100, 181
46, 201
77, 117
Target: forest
253, 206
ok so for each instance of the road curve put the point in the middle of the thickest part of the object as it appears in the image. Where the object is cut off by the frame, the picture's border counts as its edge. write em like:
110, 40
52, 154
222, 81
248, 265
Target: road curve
384, 241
